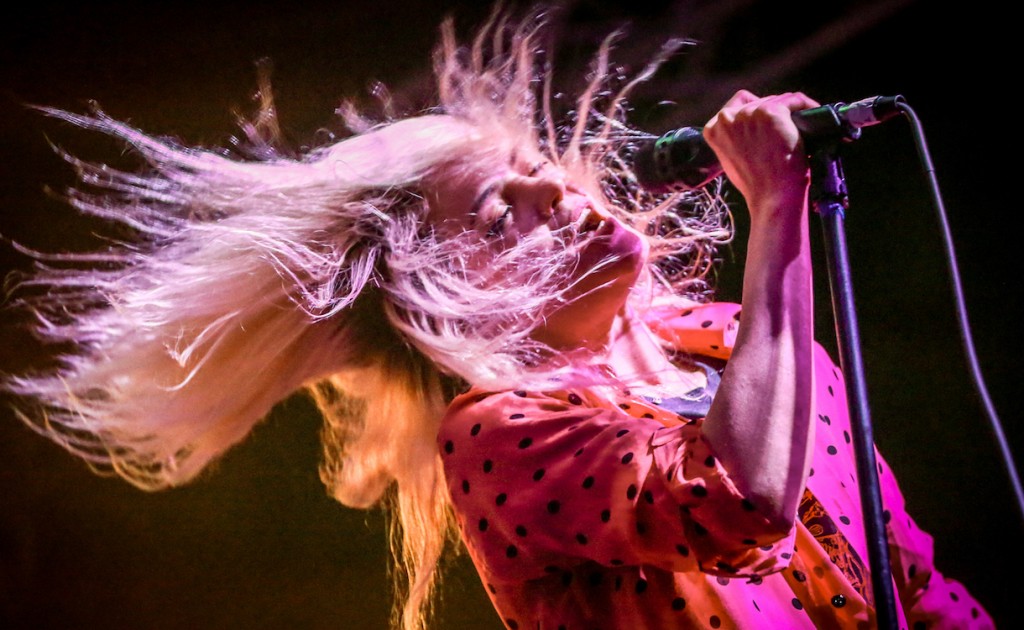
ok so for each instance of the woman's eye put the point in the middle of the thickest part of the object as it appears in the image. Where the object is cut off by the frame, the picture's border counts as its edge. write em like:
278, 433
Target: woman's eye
498, 227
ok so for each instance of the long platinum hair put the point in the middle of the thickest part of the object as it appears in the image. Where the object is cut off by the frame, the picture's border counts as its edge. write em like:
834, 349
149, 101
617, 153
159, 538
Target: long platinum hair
247, 280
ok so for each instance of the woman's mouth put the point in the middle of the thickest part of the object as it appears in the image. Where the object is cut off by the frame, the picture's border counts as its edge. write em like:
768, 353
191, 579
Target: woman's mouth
590, 221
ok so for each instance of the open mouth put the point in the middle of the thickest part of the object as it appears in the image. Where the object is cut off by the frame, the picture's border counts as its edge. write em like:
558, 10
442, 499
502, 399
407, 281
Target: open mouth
590, 222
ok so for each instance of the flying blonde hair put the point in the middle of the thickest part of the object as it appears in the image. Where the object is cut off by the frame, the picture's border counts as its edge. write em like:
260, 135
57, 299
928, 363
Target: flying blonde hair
248, 280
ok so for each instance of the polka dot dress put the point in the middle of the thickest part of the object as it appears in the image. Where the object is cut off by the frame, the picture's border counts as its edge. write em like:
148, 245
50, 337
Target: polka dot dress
584, 511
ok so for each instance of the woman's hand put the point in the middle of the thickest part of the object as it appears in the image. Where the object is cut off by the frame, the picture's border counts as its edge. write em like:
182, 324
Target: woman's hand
760, 148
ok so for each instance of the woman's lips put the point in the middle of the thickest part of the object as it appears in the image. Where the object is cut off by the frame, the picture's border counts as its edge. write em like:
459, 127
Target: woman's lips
590, 222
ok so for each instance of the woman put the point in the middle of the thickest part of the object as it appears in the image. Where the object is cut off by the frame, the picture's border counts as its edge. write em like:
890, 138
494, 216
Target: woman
499, 326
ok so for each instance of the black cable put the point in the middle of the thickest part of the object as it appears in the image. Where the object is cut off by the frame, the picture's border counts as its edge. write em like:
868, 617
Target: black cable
961, 309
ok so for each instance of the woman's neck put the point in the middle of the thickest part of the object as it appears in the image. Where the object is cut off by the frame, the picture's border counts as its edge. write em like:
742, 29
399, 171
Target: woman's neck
639, 360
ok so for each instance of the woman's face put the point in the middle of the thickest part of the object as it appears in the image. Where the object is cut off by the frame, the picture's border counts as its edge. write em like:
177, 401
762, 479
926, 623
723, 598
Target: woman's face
502, 196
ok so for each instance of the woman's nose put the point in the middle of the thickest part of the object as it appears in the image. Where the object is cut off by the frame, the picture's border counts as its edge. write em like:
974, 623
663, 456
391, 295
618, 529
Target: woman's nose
540, 195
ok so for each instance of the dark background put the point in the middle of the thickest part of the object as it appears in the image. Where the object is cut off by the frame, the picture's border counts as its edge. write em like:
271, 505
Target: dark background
256, 543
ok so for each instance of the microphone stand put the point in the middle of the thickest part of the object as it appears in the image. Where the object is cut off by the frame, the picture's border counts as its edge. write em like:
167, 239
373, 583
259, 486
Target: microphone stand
829, 199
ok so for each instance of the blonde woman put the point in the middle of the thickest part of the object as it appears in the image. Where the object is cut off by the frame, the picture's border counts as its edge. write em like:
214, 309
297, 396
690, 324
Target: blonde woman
512, 345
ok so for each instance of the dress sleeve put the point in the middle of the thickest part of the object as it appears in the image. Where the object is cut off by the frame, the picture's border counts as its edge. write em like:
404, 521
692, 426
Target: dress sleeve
929, 599
705, 329
541, 482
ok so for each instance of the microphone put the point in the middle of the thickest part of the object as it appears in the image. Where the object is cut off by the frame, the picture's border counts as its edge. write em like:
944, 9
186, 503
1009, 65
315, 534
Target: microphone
681, 160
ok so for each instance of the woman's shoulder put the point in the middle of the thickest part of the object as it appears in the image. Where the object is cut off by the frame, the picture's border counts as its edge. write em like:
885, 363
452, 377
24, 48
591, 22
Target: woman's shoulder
707, 329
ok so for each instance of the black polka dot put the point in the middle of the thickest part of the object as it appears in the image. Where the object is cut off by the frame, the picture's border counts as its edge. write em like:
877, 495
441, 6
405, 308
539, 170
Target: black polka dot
538, 474
724, 581
520, 393
845, 520
641, 586
912, 571
710, 461
491, 588
686, 313
756, 607
628, 457
488, 465
810, 473
649, 497
621, 433
749, 541
830, 392
886, 516
797, 604
516, 416
578, 452
554, 506
678, 603
520, 530
824, 419
839, 600
699, 491
786, 555
615, 562
588, 482
500, 499
683, 550
512, 624
623, 406
756, 580
832, 450
699, 529
953, 596
725, 566
748, 505
706, 323
799, 575
647, 415
618, 582
482, 525
475, 429
631, 492
606, 515
449, 446
575, 399
846, 436
581, 538
715, 622
511, 551
465, 486
525, 442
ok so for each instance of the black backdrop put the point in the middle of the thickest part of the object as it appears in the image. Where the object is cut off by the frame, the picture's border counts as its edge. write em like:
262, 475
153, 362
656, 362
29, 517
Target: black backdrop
256, 543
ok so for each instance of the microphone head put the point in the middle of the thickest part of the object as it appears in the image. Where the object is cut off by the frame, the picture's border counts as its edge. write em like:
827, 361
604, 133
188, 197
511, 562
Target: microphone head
678, 160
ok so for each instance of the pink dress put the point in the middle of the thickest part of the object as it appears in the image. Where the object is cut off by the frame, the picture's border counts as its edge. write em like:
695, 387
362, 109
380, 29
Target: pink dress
584, 512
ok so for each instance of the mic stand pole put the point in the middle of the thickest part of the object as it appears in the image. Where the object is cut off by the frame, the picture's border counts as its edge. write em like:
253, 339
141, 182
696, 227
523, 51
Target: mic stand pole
830, 201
